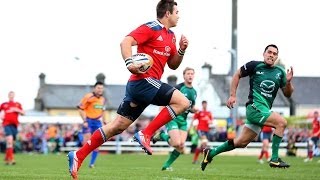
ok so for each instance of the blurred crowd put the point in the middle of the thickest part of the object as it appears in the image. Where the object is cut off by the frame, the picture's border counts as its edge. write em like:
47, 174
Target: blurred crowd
48, 138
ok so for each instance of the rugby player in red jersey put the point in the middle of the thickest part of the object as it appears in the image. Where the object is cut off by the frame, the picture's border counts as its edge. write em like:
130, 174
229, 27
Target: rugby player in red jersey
204, 118
10, 122
314, 139
265, 136
156, 39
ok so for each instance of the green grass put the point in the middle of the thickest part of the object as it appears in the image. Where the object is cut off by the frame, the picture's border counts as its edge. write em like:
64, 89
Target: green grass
141, 166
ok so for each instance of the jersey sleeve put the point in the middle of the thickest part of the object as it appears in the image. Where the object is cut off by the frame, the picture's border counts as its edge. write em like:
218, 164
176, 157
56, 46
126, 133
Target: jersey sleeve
142, 34
19, 106
196, 115
173, 47
84, 101
283, 80
179, 86
249, 68
195, 97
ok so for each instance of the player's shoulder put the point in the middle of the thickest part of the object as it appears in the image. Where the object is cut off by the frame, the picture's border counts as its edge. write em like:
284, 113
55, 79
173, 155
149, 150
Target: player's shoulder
154, 25
280, 68
88, 95
256, 63
4, 103
252, 64
18, 103
179, 86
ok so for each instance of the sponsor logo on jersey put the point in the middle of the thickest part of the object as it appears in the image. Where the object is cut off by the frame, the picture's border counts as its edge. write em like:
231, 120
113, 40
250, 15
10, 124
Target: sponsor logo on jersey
267, 87
161, 53
160, 38
167, 49
259, 72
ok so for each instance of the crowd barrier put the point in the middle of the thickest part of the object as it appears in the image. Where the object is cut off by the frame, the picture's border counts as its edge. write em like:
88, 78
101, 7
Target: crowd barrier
120, 147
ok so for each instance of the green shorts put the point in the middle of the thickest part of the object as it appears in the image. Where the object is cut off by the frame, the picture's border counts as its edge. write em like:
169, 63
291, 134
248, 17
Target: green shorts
177, 123
257, 114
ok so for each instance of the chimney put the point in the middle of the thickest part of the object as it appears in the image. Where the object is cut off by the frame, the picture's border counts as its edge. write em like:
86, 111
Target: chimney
42, 78
101, 78
206, 71
172, 80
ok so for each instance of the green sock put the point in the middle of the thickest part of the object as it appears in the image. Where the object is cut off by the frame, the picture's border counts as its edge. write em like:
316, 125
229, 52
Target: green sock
226, 146
276, 140
172, 157
164, 137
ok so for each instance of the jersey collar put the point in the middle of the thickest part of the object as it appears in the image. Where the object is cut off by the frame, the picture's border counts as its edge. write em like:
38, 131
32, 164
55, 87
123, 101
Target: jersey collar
160, 24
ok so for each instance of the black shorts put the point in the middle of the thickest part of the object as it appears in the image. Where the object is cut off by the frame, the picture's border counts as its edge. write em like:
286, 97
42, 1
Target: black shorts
143, 93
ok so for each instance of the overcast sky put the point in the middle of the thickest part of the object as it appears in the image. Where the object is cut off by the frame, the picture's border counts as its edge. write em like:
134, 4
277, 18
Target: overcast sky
73, 40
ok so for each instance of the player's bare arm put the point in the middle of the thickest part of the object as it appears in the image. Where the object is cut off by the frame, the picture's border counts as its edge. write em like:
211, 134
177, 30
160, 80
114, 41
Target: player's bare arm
233, 89
18, 110
82, 114
21, 112
194, 109
104, 120
288, 88
126, 52
175, 62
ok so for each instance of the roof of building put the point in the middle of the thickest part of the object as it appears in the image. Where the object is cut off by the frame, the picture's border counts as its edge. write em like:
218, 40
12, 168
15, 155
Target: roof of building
221, 84
68, 96
306, 90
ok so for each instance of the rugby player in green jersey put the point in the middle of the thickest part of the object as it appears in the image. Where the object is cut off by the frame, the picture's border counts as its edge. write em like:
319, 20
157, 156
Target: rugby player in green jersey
177, 128
265, 79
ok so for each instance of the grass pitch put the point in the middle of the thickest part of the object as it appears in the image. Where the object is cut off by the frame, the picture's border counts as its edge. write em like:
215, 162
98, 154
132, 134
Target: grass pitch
141, 166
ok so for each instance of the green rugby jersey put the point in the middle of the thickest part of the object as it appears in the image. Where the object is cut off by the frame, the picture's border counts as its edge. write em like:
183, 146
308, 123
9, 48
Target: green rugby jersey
264, 82
191, 94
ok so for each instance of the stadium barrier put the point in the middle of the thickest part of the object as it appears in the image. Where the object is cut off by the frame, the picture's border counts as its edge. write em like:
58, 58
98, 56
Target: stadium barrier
120, 147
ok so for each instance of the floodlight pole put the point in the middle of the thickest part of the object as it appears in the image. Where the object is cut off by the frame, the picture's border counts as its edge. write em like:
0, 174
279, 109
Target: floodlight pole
234, 55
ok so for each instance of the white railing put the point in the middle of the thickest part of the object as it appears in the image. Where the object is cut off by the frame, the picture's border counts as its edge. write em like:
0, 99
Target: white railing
127, 146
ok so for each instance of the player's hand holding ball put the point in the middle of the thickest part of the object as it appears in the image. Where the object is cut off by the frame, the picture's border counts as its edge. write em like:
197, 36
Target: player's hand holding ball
139, 63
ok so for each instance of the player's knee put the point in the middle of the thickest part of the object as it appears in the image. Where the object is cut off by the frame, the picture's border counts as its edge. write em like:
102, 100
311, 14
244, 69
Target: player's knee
181, 146
185, 104
282, 123
180, 149
175, 144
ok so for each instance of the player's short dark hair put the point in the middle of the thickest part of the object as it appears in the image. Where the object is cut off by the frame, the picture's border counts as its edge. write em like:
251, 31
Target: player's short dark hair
204, 102
271, 45
98, 83
165, 5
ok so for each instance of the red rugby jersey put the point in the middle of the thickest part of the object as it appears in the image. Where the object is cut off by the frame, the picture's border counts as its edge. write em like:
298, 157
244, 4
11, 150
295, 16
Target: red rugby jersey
10, 118
315, 126
205, 118
266, 129
154, 39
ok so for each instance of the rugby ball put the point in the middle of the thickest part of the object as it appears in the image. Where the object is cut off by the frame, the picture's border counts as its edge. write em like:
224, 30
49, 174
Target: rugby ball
142, 58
